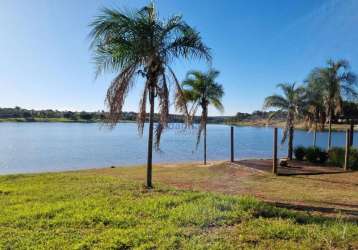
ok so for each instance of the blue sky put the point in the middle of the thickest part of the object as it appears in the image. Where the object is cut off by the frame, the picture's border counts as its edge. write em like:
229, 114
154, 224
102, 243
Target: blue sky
45, 61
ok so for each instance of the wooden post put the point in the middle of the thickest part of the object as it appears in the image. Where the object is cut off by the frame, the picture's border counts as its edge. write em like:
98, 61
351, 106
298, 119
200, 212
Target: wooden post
205, 144
351, 134
274, 156
346, 156
232, 144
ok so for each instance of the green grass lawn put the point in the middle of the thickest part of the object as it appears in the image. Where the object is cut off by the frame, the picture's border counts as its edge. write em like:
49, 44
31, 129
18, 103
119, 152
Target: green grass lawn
87, 210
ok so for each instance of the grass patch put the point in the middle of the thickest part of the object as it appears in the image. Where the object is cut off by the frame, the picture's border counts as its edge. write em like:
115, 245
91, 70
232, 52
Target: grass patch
83, 210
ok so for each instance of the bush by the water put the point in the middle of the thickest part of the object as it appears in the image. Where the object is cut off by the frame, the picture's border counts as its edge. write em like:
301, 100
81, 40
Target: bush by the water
353, 159
336, 157
300, 153
316, 155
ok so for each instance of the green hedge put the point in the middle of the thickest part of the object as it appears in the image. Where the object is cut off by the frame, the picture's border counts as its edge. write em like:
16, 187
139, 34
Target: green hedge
336, 157
299, 153
311, 154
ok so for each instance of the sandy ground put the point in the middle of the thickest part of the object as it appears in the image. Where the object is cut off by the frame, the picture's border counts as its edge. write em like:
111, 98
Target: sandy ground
331, 194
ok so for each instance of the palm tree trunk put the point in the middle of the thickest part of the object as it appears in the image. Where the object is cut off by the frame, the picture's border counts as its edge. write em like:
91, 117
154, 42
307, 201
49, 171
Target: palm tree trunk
315, 135
150, 138
205, 143
351, 134
329, 133
290, 143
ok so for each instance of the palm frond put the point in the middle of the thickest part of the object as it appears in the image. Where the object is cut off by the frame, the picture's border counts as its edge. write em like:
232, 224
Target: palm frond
163, 94
141, 116
188, 44
275, 101
117, 92
215, 102
179, 99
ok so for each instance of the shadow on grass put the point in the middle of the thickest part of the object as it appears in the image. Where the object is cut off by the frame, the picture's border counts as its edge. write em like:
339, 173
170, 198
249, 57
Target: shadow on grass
307, 208
312, 173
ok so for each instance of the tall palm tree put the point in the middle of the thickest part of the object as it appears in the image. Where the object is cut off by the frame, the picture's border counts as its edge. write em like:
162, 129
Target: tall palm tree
290, 103
138, 43
314, 110
338, 83
202, 90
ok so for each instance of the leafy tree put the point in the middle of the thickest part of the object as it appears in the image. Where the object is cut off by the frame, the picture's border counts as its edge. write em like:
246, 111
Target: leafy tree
291, 102
138, 43
27, 114
69, 115
349, 110
242, 116
338, 83
86, 116
202, 90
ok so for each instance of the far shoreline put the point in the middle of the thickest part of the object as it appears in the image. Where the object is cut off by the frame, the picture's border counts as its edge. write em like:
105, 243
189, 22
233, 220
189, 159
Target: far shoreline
257, 124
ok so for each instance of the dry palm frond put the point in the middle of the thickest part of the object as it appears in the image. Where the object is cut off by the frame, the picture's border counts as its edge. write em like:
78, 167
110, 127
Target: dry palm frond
203, 119
117, 93
163, 94
142, 114
180, 100
193, 111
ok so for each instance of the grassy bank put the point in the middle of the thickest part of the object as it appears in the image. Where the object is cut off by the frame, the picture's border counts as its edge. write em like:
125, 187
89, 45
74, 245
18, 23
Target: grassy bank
109, 208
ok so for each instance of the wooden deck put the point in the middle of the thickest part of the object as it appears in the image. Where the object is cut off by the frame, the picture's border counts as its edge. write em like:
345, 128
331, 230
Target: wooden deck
294, 168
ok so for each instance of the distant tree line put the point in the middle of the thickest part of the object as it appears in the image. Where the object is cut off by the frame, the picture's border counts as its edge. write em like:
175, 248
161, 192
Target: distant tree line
31, 114
350, 111
259, 115
97, 116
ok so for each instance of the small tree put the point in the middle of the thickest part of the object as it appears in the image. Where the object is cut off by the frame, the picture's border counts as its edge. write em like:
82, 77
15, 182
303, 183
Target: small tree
138, 43
338, 83
201, 90
314, 110
290, 102
86, 116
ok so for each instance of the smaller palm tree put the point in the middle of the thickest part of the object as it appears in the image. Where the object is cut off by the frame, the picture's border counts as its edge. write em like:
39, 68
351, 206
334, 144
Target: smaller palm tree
338, 83
290, 103
314, 110
201, 90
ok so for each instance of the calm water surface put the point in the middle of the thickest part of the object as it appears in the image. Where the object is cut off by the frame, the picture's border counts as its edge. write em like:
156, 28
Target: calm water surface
42, 147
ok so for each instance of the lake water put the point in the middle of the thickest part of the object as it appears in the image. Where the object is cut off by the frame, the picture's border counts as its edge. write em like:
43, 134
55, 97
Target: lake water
42, 147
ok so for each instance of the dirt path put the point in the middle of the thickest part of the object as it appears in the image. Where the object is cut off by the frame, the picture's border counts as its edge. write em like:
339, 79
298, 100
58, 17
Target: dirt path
330, 194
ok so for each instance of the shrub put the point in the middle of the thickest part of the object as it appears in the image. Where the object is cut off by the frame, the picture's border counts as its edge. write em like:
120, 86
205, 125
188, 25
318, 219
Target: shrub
316, 155
300, 153
322, 157
336, 156
353, 158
